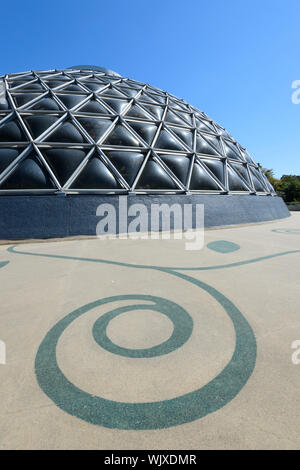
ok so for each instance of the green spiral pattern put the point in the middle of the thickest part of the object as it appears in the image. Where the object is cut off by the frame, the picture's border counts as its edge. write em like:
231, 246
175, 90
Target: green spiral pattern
159, 414
182, 321
153, 415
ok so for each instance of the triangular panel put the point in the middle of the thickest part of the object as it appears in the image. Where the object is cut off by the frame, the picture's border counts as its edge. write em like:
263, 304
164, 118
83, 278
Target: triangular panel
111, 92
63, 161
154, 177
29, 174
66, 132
257, 180
185, 135
144, 130
122, 137
178, 164
93, 107
174, 119
127, 163
45, 104
201, 181
156, 111
242, 171
130, 92
7, 156
235, 183
95, 175
203, 147
216, 167
231, 151
70, 101
95, 127
11, 131
116, 105
136, 111
24, 98
167, 141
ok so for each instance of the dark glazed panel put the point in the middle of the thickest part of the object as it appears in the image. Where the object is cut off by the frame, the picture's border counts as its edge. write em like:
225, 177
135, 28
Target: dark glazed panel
216, 167
204, 126
154, 177
186, 136
38, 124
231, 151
234, 182
7, 156
215, 142
93, 107
144, 130
24, 98
241, 170
200, 180
29, 174
156, 111
257, 180
72, 87
96, 86
168, 142
70, 101
54, 83
203, 147
118, 106
111, 92
95, 175
4, 105
178, 164
174, 119
94, 127
34, 86
121, 136
127, 163
130, 92
63, 161
11, 131
66, 132
46, 104
136, 111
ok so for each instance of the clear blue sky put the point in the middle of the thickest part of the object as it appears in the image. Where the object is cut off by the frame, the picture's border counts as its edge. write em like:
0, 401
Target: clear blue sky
234, 59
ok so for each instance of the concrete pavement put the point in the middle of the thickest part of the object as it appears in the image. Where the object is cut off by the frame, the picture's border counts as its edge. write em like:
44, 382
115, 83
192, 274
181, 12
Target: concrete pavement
141, 344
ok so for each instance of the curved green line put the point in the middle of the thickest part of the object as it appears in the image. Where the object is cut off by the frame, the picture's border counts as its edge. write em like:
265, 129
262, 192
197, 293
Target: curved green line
293, 231
11, 249
3, 263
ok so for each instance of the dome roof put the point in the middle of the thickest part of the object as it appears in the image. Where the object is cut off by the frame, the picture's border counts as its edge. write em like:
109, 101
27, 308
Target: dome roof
89, 130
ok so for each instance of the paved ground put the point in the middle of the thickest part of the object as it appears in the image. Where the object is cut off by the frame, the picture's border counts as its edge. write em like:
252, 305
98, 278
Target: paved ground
123, 344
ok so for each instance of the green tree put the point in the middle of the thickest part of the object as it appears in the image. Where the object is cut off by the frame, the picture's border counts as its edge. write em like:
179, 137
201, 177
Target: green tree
289, 188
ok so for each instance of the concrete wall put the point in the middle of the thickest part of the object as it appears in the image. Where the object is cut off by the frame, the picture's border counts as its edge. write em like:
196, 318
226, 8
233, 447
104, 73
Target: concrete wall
49, 216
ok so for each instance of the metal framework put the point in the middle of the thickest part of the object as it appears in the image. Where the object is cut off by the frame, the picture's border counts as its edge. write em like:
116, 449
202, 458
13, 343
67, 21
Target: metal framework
84, 130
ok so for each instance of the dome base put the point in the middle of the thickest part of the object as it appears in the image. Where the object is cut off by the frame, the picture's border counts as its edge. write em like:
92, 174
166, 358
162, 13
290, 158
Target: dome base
24, 217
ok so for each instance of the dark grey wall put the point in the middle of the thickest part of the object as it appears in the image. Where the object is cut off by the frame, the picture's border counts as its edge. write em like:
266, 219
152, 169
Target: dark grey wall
24, 217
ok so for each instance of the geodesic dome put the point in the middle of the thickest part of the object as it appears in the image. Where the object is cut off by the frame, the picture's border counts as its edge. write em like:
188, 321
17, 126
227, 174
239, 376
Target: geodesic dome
89, 130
